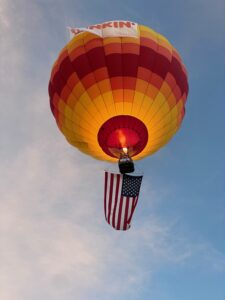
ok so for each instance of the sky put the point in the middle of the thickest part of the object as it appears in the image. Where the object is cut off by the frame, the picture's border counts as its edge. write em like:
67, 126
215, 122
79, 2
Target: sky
54, 241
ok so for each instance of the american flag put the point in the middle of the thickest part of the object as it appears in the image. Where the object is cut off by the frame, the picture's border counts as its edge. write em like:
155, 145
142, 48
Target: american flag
120, 199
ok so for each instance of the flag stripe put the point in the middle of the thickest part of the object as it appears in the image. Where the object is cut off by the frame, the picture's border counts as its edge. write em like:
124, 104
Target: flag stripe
118, 204
110, 195
130, 210
120, 212
123, 213
134, 204
115, 180
118, 192
105, 197
126, 204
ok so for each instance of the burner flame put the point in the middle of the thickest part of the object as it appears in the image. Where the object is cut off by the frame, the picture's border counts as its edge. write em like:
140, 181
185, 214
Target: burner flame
125, 150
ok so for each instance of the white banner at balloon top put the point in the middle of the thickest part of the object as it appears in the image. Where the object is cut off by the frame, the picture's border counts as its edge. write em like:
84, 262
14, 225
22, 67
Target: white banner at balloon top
109, 29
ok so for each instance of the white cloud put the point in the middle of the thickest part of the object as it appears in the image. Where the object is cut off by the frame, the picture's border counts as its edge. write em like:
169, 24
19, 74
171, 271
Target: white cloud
54, 235
55, 242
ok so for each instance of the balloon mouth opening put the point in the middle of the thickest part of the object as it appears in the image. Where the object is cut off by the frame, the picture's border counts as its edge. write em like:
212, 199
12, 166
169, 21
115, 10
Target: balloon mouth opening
123, 135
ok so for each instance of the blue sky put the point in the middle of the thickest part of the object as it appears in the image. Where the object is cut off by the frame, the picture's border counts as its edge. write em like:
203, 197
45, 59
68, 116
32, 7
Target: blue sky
55, 243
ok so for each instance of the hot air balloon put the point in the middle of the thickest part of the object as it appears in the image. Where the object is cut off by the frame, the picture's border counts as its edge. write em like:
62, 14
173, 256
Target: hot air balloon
118, 92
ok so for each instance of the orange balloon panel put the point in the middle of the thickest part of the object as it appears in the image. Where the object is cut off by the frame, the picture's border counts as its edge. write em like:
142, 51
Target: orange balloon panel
113, 92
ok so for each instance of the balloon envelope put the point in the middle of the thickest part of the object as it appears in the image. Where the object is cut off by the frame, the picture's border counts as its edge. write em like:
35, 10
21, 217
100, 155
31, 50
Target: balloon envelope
114, 92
